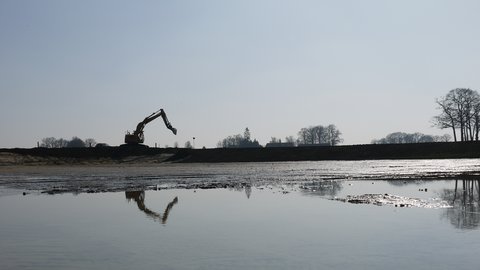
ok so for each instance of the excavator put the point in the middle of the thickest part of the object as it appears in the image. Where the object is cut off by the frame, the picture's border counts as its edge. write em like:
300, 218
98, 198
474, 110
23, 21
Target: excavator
137, 137
139, 198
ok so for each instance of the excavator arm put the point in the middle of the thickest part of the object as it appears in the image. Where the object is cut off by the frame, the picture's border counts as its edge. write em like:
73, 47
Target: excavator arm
167, 123
138, 137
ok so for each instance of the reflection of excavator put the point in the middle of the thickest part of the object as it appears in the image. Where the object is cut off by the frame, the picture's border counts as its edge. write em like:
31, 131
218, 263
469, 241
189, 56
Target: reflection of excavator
139, 198
137, 136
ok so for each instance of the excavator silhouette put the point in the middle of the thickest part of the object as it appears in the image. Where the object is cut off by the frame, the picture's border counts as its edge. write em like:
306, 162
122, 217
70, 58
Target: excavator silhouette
139, 198
137, 137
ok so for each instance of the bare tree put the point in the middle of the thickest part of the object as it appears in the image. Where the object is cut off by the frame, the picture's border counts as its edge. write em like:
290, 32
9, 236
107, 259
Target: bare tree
48, 142
90, 142
275, 140
290, 139
417, 137
60, 143
304, 136
52, 142
447, 118
320, 135
333, 135
442, 138
460, 110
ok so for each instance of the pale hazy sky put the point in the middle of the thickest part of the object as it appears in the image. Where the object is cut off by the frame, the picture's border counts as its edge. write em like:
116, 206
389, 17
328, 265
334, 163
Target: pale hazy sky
94, 69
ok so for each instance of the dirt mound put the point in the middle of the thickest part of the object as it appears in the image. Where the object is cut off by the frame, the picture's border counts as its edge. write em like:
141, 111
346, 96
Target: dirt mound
15, 159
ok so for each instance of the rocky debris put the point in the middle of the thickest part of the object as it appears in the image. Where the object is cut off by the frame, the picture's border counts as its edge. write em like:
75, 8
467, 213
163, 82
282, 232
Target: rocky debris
394, 200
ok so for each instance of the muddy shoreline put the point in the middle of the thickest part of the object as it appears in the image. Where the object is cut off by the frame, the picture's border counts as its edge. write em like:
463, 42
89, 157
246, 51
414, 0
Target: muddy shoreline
91, 170
87, 178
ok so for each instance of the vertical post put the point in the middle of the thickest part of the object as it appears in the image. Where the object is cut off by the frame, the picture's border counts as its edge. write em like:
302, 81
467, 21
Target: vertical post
193, 142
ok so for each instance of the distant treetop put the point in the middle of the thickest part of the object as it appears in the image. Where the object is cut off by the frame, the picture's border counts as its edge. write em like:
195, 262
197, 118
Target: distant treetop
402, 137
75, 142
239, 141
320, 135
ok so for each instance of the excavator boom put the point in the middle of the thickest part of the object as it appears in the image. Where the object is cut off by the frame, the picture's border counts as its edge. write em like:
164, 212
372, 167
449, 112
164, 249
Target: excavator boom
167, 123
138, 137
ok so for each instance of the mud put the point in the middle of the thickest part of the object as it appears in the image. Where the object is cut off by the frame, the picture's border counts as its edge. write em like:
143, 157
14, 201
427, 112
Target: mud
97, 179
394, 200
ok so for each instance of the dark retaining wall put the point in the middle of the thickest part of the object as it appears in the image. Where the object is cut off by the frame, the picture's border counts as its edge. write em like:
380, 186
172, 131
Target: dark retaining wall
347, 152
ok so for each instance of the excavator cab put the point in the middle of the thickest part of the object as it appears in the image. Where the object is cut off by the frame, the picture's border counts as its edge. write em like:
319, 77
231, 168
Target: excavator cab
134, 138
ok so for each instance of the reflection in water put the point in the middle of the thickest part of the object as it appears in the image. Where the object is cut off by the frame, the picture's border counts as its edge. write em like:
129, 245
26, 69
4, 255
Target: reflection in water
465, 198
400, 183
243, 187
248, 191
322, 188
139, 198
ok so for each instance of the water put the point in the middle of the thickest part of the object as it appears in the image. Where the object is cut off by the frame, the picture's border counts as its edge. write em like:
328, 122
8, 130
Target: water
278, 220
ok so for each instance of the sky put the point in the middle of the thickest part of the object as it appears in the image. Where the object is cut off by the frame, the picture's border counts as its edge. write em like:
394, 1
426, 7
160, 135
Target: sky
94, 69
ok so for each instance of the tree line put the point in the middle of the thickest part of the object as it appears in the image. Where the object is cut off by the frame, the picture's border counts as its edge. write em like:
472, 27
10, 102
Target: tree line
75, 142
417, 137
239, 141
313, 135
326, 135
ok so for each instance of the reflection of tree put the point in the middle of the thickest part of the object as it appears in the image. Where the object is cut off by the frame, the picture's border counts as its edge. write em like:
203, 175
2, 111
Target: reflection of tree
139, 198
243, 187
465, 198
248, 191
322, 188
401, 182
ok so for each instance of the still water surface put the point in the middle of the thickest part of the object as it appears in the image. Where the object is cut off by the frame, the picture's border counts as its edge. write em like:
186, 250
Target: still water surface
273, 225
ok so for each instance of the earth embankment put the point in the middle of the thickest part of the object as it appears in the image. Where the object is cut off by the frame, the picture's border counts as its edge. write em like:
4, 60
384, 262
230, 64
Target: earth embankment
347, 152
135, 155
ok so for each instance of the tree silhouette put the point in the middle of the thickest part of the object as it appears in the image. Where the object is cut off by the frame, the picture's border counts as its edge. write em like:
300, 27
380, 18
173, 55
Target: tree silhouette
90, 142
320, 135
417, 137
460, 110
75, 142
239, 141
